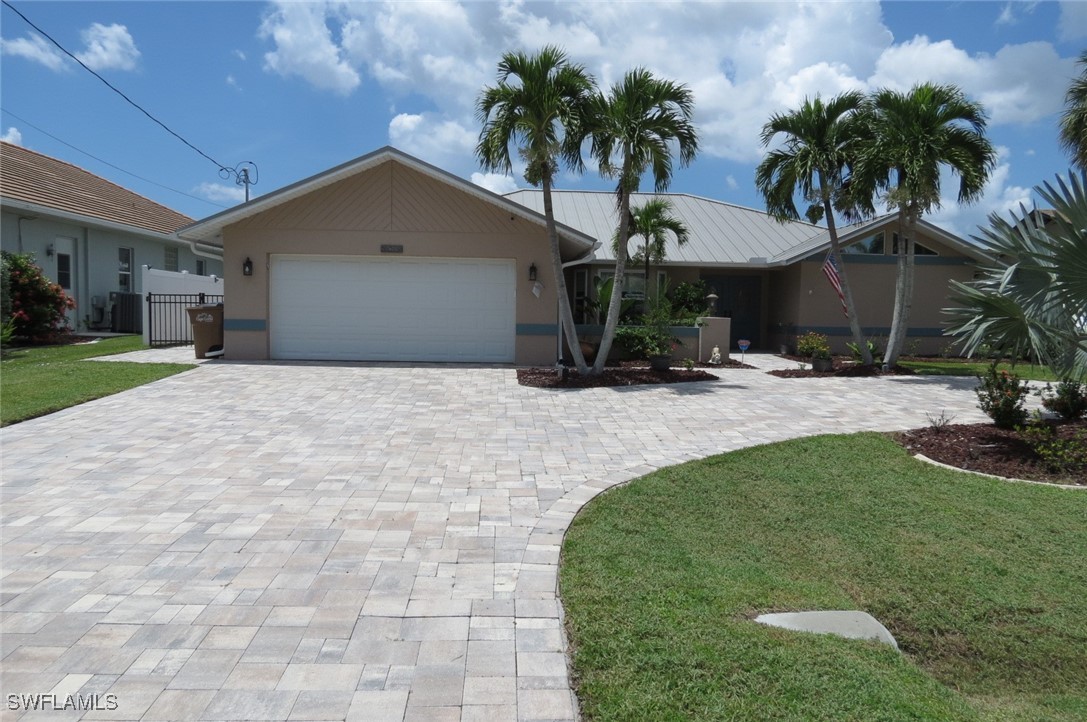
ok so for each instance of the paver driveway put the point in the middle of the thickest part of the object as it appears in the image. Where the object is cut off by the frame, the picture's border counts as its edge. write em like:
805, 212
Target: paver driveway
250, 541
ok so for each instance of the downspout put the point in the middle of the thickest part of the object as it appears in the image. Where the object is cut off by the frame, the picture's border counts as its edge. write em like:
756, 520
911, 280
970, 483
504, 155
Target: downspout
19, 224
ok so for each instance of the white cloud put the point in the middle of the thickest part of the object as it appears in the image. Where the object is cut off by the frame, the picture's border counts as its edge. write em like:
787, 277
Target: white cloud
304, 47
220, 192
35, 48
12, 136
730, 181
239, 55
232, 81
495, 182
431, 138
1073, 21
108, 47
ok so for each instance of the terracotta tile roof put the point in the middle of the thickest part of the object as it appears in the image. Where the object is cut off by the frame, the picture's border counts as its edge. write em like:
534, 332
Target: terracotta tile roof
35, 178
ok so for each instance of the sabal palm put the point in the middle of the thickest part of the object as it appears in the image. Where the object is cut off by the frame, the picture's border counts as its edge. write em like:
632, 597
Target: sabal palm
1074, 118
538, 106
1032, 296
634, 128
911, 138
821, 141
653, 222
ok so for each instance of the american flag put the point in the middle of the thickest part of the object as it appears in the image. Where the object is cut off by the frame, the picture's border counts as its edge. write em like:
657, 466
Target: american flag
830, 268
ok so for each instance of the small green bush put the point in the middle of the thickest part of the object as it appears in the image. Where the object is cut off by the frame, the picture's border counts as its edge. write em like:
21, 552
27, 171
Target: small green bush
1069, 401
1060, 456
813, 345
689, 299
1001, 396
873, 349
35, 304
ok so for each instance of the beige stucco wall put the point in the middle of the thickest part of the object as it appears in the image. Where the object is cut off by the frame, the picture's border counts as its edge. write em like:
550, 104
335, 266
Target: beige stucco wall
389, 204
873, 291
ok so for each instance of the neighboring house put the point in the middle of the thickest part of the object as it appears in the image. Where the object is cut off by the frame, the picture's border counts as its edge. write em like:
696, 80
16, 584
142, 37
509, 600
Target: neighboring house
92, 236
388, 258
768, 276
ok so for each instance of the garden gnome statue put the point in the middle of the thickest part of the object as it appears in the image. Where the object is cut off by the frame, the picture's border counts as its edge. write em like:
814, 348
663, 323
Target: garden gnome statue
715, 356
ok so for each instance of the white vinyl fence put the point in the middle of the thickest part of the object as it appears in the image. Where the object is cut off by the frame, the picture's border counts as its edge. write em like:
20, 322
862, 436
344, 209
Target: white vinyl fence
173, 315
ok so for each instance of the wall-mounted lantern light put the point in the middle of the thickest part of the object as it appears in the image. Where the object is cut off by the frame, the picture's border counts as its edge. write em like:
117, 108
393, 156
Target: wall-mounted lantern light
50, 250
247, 267
532, 273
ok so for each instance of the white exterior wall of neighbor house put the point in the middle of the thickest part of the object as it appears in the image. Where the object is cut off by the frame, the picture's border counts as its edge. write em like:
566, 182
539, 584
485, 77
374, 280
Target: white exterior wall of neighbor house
95, 260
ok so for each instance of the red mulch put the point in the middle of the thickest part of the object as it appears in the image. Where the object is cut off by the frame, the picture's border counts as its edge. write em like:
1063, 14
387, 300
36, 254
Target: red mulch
627, 373
985, 448
842, 368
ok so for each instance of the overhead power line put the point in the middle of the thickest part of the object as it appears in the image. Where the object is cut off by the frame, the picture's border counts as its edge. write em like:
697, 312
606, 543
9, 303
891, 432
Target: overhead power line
112, 87
111, 165
241, 172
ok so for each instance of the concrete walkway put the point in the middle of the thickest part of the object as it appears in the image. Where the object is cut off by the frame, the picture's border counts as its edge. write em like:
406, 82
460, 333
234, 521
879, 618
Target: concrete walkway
329, 542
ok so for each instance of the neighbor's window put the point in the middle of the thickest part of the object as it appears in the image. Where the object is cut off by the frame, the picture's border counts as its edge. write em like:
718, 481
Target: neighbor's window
170, 262
201, 267
918, 249
871, 245
633, 283
581, 294
64, 271
125, 259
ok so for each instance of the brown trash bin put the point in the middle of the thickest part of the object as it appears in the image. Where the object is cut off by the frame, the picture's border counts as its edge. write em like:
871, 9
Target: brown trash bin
207, 330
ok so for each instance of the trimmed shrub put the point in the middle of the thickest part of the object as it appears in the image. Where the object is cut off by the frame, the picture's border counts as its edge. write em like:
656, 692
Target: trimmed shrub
1069, 401
1001, 396
813, 345
32, 303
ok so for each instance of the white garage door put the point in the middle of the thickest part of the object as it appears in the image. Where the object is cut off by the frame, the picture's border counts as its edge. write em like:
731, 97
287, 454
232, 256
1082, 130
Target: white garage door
348, 308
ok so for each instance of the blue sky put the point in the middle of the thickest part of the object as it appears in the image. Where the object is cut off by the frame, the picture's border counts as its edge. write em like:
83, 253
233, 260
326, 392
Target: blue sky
300, 87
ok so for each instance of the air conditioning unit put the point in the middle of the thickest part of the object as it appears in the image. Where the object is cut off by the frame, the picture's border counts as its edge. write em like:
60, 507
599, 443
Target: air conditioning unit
125, 312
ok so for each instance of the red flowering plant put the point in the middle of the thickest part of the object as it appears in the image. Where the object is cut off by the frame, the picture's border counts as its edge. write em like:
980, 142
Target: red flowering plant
32, 305
1001, 396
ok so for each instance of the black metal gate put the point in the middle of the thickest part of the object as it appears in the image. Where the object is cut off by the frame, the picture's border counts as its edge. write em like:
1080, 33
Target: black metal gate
167, 322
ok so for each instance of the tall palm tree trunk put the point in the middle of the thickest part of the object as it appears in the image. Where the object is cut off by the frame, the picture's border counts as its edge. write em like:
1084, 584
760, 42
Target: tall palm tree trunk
843, 275
566, 313
615, 304
900, 320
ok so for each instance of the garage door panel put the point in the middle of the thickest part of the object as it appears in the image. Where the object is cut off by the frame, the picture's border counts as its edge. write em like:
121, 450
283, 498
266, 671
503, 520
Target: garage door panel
385, 310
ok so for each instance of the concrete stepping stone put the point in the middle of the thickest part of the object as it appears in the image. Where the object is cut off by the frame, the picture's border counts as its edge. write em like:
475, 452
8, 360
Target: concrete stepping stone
849, 624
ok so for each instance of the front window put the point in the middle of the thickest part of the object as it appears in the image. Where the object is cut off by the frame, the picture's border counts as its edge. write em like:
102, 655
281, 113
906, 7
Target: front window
873, 245
170, 261
633, 284
125, 260
201, 267
918, 249
64, 271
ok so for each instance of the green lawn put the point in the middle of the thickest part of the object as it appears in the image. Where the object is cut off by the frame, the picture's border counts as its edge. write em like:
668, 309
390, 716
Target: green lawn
958, 367
982, 583
40, 380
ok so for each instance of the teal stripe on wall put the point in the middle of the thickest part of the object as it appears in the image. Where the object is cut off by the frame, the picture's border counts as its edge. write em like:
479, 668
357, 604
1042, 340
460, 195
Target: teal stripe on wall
869, 331
876, 259
537, 329
588, 329
245, 324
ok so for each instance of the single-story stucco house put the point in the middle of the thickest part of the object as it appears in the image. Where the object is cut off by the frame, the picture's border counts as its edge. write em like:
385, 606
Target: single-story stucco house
91, 236
388, 258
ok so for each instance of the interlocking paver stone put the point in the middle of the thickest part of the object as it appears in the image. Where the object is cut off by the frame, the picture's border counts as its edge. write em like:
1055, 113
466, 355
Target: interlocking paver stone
350, 541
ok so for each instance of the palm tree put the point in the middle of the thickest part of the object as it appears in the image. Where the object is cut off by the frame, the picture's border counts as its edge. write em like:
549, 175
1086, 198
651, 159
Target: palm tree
633, 130
654, 222
821, 141
1074, 118
1032, 296
912, 137
539, 105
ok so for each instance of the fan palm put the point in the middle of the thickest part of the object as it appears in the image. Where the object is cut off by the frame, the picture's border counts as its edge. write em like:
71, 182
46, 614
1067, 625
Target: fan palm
821, 141
633, 130
1074, 119
653, 221
912, 137
1032, 296
539, 106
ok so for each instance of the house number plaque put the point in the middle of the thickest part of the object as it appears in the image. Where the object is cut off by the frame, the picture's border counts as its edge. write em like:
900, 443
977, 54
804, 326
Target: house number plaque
391, 248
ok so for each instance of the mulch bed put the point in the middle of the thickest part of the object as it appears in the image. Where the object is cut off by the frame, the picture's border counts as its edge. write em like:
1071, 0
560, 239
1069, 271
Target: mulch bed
627, 373
842, 368
985, 448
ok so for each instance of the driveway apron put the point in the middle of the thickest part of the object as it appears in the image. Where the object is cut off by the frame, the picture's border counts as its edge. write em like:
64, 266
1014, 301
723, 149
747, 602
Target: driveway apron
329, 542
